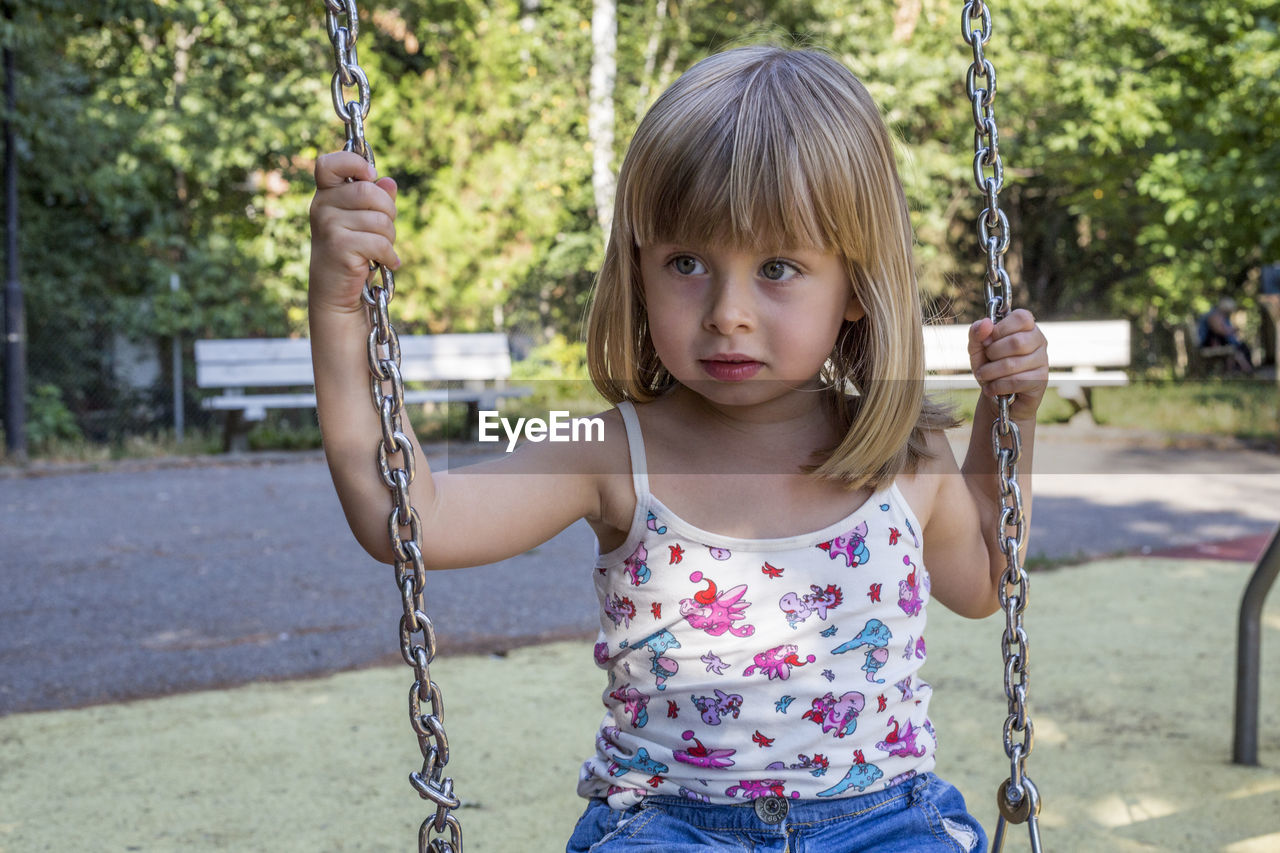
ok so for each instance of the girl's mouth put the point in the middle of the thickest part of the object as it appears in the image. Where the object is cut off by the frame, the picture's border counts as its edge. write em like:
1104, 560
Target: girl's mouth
730, 367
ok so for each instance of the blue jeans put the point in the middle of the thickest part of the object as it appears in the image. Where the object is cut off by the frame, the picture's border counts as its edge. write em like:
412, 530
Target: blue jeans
921, 815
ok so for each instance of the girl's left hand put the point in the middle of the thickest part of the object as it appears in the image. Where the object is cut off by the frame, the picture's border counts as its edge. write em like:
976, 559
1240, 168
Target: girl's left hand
1011, 357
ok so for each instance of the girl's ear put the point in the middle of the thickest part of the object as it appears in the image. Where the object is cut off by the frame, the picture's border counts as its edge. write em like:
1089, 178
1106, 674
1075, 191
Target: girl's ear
853, 312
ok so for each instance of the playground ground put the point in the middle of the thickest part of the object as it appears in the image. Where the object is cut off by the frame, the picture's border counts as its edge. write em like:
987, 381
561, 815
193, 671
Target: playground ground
1132, 661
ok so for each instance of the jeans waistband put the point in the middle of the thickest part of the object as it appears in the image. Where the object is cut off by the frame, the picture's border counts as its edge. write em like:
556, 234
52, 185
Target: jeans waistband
775, 815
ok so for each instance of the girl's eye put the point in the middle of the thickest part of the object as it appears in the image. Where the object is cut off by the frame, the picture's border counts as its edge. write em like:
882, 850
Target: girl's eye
778, 270
687, 265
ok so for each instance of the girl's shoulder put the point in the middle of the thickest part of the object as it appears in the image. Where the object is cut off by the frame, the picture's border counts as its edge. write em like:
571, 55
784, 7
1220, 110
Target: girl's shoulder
935, 469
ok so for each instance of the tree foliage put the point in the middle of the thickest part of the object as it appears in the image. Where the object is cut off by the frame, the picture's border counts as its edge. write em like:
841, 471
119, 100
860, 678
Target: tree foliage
162, 137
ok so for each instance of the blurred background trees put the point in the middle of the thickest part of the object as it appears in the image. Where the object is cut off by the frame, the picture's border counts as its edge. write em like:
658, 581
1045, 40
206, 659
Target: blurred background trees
176, 137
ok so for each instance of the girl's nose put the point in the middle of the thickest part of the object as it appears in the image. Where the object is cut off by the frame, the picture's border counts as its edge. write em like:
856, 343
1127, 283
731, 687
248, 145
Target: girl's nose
731, 308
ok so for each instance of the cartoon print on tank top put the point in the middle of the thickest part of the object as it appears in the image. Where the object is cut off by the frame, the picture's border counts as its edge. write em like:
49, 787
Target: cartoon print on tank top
838, 716
860, 777
876, 635
909, 591
816, 764
722, 704
662, 667
778, 662
703, 756
620, 609
851, 545
729, 667
715, 612
815, 603
637, 566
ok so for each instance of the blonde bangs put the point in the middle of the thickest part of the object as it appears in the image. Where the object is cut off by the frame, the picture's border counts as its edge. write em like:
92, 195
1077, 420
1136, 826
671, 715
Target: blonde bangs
773, 149
722, 161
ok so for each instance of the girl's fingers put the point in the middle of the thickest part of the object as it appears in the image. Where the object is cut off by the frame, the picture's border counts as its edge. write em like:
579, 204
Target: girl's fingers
1009, 357
1022, 384
388, 186
368, 221
1015, 345
1025, 366
359, 195
337, 168
366, 246
979, 333
1017, 334
328, 219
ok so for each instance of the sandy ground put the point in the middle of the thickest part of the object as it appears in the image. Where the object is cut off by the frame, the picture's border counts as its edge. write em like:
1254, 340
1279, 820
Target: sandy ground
1133, 678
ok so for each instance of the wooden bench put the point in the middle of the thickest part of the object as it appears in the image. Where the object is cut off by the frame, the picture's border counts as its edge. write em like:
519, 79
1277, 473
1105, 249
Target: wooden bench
1082, 356
481, 361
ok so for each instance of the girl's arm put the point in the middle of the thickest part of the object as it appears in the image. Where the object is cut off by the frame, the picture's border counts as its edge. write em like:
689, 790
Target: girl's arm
962, 548
490, 512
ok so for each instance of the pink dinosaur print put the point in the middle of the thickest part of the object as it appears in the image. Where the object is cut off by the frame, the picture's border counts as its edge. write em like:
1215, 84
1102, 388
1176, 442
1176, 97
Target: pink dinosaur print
636, 566
715, 612
721, 704
840, 715
777, 662
818, 601
909, 598
620, 609
700, 755
753, 788
635, 703
902, 742
817, 764
851, 545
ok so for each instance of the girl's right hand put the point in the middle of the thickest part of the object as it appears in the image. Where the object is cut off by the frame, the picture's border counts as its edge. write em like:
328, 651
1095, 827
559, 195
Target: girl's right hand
353, 222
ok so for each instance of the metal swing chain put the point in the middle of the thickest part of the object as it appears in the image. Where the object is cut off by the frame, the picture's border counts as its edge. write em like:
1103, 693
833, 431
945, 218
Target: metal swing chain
426, 707
1017, 799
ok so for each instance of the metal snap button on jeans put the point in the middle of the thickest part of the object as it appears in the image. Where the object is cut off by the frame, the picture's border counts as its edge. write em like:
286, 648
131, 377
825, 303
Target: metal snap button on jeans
771, 809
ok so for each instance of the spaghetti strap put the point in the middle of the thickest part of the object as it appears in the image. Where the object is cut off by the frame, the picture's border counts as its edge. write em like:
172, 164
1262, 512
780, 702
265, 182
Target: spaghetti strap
635, 446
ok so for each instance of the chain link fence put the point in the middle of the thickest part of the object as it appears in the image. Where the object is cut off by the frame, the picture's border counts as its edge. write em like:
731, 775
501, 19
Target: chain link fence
91, 385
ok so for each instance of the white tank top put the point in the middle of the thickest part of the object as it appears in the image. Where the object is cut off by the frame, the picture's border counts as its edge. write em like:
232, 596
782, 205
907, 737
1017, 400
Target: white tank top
741, 668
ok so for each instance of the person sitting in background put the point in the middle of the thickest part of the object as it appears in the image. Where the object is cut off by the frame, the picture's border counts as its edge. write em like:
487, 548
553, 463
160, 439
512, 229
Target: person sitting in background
1216, 330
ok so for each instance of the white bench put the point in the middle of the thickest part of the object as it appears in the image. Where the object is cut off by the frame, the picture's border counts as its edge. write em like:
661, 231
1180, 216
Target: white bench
1083, 355
482, 361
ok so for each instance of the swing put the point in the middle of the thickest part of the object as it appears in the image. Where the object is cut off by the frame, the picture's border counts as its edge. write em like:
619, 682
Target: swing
1017, 799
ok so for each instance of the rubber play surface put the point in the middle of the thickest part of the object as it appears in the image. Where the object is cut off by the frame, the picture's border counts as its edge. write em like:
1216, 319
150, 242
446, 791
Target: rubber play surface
1132, 681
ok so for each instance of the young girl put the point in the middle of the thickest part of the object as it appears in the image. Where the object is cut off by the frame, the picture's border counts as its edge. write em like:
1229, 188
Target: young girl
771, 486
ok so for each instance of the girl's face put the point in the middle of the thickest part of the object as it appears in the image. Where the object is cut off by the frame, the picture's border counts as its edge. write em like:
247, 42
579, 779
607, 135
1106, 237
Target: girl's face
743, 327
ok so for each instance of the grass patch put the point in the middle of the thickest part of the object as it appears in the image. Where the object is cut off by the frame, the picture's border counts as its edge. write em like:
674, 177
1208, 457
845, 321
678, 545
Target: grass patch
1053, 409
1239, 408
153, 445
1243, 408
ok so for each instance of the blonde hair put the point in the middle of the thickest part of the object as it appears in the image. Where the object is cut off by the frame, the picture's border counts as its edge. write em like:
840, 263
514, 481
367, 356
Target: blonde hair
777, 148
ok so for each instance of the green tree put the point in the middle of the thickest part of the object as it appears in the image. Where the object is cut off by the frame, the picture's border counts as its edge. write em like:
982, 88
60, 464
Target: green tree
178, 136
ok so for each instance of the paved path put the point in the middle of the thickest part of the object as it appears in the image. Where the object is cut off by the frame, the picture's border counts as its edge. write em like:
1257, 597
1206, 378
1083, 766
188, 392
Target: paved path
149, 579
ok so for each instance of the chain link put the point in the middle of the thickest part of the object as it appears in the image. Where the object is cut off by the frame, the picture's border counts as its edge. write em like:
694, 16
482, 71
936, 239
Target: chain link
441, 832
1017, 799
